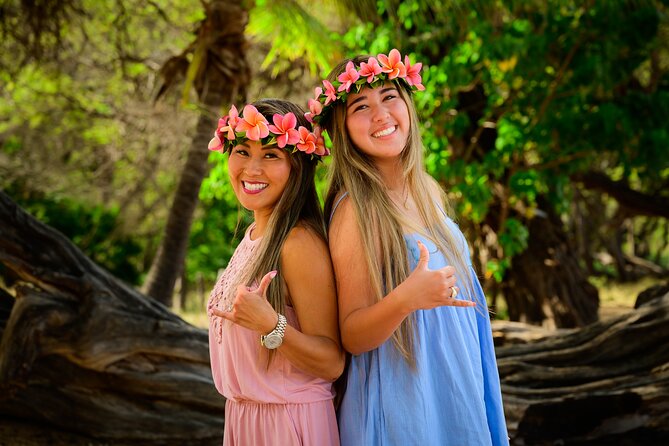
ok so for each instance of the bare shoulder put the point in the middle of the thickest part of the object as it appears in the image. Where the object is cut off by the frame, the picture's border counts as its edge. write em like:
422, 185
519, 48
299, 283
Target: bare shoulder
436, 192
302, 242
306, 269
343, 218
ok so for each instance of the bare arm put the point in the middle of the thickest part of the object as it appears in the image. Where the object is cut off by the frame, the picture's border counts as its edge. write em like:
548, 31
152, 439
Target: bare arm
366, 323
308, 273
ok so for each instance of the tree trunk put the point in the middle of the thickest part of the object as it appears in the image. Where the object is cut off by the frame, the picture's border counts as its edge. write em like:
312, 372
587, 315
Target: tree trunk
223, 77
606, 384
83, 352
545, 284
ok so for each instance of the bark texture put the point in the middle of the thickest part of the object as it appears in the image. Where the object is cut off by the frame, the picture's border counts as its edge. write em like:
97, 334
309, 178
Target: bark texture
546, 284
83, 352
605, 384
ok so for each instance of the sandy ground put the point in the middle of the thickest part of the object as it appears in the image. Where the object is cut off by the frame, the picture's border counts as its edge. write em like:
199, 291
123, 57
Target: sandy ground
611, 310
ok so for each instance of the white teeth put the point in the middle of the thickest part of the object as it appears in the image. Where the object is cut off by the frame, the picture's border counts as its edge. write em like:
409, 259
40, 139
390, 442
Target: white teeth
254, 186
384, 132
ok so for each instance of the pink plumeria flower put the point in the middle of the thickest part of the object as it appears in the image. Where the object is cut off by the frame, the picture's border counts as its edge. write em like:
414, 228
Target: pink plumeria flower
284, 128
330, 92
315, 107
307, 142
370, 69
229, 123
222, 123
215, 145
413, 74
321, 150
348, 77
253, 123
392, 64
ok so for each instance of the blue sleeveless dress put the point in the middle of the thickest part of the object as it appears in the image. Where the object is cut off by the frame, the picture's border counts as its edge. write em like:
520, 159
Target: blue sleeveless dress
453, 396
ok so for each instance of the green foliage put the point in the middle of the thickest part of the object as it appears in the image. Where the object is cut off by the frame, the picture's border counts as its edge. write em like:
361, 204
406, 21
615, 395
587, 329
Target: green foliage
520, 96
79, 130
219, 227
93, 228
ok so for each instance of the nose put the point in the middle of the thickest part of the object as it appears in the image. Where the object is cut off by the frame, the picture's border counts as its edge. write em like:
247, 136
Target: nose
253, 166
380, 113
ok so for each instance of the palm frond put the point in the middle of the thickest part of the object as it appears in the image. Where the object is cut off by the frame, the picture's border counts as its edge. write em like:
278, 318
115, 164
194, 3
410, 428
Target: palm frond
293, 33
365, 10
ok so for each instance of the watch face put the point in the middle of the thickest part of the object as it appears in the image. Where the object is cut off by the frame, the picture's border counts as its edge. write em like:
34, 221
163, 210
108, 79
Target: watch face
272, 341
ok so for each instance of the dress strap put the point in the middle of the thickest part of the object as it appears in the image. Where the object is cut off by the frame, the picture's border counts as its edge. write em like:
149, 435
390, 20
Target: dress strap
334, 208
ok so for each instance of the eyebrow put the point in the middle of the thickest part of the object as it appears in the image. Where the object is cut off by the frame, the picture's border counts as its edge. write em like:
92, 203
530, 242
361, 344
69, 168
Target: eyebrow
362, 98
267, 147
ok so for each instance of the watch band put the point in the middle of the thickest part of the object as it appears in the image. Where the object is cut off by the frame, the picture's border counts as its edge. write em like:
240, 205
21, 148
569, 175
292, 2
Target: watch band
274, 338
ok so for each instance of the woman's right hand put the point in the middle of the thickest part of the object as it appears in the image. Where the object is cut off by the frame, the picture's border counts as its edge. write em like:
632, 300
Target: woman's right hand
425, 288
251, 309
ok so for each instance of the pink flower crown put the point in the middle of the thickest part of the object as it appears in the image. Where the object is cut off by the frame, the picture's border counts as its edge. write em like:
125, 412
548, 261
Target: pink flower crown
374, 73
233, 130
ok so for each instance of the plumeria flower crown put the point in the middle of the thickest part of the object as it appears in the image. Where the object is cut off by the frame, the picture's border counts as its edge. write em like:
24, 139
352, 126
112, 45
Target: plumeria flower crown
373, 73
234, 130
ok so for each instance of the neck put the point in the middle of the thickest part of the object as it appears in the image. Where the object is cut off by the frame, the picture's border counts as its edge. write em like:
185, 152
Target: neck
393, 175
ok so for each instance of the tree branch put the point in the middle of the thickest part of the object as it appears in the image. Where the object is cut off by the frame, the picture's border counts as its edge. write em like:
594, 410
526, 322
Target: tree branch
637, 202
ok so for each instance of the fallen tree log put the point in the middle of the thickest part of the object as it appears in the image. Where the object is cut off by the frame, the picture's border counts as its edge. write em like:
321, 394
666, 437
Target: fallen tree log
83, 352
607, 383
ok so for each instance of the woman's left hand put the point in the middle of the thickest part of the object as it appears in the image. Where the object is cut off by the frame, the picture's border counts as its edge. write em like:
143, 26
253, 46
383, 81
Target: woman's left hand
251, 309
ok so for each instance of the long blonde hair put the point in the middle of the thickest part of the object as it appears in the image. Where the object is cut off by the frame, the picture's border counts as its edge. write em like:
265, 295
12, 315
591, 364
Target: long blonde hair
379, 220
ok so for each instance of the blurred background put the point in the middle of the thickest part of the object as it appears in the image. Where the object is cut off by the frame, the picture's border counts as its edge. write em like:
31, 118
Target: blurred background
544, 120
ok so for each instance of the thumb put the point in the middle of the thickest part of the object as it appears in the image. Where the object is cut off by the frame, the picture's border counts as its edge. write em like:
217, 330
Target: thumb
264, 282
424, 258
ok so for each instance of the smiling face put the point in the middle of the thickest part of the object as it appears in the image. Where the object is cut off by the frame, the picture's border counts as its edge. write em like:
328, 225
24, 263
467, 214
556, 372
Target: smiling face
259, 175
377, 121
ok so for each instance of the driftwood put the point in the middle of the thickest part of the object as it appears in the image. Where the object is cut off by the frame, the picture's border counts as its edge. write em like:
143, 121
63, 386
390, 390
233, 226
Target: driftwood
607, 383
85, 353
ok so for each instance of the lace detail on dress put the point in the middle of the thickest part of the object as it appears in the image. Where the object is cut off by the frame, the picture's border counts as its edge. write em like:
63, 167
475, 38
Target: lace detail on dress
223, 294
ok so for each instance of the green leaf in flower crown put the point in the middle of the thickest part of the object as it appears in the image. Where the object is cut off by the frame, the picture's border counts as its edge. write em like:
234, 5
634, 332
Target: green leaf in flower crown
377, 82
269, 139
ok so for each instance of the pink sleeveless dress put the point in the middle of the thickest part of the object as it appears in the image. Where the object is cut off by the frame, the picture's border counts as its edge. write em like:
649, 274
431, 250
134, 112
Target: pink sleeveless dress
275, 405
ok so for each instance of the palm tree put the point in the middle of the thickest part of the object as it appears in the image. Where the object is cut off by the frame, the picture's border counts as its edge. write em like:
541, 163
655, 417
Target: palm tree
220, 74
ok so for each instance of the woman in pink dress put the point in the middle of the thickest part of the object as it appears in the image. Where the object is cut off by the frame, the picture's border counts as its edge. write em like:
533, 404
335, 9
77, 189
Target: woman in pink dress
273, 333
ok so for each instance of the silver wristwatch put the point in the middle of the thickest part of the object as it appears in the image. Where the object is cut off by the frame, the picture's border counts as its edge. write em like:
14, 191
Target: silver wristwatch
274, 338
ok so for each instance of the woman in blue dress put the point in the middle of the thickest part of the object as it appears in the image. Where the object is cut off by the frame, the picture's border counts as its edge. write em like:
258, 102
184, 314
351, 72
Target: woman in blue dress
412, 313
